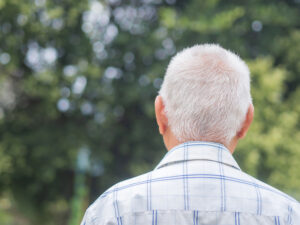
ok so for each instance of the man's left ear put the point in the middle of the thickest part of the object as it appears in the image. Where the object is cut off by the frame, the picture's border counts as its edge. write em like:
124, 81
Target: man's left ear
161, 117
247, 122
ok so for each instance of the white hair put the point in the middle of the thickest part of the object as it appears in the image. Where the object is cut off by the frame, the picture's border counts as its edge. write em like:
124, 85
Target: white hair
206, 94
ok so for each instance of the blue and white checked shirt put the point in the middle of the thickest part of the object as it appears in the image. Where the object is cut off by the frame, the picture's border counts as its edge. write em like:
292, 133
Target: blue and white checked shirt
195, 183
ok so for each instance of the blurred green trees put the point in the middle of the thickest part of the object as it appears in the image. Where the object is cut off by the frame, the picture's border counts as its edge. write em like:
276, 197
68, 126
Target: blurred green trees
80, 78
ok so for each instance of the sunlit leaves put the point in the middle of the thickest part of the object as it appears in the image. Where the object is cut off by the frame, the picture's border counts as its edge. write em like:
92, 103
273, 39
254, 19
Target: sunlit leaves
203, 22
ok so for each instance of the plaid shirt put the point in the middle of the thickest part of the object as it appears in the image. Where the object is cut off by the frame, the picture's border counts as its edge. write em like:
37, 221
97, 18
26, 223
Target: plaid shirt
195, 183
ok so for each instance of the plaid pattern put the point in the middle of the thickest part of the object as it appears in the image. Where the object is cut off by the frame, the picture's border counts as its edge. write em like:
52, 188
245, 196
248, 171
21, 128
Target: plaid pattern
195, 183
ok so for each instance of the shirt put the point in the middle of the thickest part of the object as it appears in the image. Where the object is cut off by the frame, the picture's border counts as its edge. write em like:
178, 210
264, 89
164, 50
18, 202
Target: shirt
195, 183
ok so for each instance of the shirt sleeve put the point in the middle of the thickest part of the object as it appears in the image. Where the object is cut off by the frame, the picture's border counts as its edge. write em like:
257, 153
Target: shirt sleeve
294, 217
86, 219
101, 212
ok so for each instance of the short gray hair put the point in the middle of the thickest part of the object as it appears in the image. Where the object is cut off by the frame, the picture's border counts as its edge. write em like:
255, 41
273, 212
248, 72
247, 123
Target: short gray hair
206, 93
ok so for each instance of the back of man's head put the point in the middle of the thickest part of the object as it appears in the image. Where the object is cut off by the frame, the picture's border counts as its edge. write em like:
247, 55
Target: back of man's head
206, 94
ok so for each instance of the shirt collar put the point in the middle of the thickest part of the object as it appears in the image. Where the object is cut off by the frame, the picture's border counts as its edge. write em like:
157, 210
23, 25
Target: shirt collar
198, 150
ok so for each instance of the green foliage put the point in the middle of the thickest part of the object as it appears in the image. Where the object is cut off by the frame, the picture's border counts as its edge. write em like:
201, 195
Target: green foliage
84, 74
270, 150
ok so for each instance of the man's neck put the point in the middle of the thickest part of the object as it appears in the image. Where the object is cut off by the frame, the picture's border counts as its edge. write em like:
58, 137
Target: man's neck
171, 142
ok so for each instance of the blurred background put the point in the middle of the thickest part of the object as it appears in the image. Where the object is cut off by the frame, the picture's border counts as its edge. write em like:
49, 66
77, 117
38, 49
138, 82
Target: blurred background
77, 83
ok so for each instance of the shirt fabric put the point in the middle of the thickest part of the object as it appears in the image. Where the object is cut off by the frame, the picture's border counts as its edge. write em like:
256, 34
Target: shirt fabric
196, 183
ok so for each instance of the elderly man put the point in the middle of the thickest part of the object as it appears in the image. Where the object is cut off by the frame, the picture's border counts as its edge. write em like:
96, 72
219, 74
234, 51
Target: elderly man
204, 107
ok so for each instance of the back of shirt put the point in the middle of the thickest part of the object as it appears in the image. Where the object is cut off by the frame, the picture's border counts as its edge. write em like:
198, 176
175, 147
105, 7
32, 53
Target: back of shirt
195, 183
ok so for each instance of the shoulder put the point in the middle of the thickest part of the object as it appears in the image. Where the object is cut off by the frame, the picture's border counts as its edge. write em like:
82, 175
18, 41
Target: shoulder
272, 200
108, 205
268, 190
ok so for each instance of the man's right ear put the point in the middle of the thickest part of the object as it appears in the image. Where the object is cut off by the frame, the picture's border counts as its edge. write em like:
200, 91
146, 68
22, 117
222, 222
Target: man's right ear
161, 118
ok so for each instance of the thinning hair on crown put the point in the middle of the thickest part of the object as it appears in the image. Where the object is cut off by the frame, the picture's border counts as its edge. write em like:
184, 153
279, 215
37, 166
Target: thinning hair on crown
206, 93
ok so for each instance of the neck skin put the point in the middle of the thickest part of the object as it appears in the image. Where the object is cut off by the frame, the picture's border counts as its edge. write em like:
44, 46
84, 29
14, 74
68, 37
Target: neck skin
171, 141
